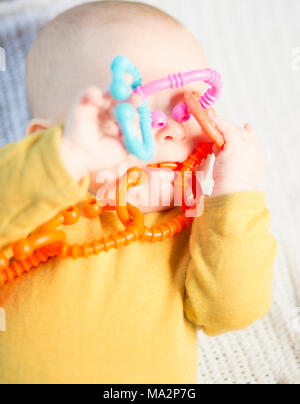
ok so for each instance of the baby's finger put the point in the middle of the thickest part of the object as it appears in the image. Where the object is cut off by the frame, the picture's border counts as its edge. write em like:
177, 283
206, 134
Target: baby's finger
109, 104
84, 117
136, 100
211, 113
228, 130
107, 113
249, 128
91, 97
86, 107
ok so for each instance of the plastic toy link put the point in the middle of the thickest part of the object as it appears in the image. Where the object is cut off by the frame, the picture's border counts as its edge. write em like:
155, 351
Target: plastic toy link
49, 242
192, 103
125, 112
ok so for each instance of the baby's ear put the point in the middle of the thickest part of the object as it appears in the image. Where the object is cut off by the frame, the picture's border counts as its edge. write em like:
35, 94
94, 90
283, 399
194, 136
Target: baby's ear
35, 125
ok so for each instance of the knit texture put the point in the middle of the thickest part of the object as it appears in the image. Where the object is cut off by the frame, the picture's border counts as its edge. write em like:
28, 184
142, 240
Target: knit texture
254, 45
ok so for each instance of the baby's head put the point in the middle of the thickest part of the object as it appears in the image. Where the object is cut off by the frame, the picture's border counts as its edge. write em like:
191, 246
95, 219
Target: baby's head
75, 51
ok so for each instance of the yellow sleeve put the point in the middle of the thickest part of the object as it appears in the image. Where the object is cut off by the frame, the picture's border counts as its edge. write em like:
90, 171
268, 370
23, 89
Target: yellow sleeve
228, 283
34, 184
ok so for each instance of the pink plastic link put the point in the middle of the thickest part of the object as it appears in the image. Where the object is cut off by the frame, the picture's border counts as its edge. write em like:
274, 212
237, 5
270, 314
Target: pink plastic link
208, 76
159, 119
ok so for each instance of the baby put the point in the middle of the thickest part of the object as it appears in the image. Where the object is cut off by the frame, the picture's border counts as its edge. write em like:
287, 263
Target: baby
129, 315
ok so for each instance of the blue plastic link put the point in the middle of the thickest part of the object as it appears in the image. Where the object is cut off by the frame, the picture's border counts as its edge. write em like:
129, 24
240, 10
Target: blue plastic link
124, 113
121, 91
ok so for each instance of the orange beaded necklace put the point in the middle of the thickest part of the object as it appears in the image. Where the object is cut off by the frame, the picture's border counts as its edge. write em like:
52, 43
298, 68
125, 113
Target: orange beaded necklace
48, 242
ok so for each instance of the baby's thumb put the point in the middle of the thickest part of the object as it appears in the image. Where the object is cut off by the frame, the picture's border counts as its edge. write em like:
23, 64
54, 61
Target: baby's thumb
228, 131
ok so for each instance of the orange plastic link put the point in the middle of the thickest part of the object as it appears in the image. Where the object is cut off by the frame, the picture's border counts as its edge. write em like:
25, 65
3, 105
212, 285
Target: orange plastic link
67, 217
53, 224
24, 248
188, 168
131, 234
170, 165
192, 101
134, 177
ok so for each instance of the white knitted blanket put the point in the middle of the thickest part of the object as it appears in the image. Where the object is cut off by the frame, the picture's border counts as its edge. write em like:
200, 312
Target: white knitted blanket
255, 44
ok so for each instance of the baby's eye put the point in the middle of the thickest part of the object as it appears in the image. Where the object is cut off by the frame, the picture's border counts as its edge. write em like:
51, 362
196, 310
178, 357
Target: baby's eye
181, 113
159, 119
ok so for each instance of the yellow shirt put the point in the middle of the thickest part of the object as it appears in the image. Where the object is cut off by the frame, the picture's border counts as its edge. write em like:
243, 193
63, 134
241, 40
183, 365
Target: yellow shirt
132, 315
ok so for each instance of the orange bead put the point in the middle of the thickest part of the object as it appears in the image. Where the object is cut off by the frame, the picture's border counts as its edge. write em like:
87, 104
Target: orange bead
71, 215
91, 208
2, 278
18, 268
98, 246
3, 261
87, 250
10, 274
135, 176
22, 249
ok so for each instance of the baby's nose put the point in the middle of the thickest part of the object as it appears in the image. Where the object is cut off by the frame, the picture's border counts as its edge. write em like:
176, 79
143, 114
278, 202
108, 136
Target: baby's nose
172, 132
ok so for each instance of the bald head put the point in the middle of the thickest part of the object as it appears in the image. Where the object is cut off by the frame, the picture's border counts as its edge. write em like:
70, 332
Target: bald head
75, 50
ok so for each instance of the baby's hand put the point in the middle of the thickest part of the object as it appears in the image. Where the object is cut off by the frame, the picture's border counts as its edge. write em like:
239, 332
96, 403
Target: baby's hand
91, 140
241, 165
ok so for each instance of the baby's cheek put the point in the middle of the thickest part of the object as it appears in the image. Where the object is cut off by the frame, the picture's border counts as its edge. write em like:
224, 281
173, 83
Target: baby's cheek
173, 152
195, 133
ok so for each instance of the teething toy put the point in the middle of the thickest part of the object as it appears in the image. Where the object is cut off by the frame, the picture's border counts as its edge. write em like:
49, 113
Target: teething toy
159, 119
191, 100
208, 76
181, 113
124, 112
48, 242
